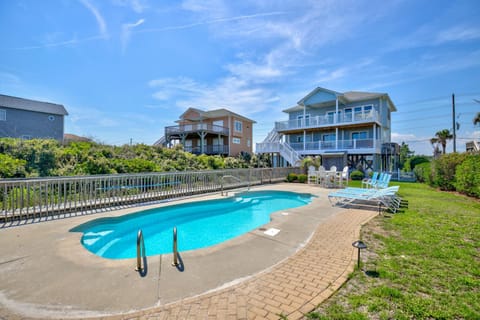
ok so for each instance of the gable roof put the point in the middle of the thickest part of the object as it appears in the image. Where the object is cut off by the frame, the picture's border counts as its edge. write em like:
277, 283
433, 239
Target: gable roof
32, 105
346, 97
213, 114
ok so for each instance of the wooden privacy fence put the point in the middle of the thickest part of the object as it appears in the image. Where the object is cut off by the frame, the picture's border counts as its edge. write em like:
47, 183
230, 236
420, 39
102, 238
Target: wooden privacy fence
42, 198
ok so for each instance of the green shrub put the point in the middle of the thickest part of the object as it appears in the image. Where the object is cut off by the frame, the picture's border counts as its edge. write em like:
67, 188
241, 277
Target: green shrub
423, 172
292, 177
467, 176
414, 161
444, 170
11, 167
302, 178
356, 175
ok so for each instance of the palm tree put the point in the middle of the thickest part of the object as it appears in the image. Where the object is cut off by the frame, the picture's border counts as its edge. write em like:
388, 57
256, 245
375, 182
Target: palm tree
441, 138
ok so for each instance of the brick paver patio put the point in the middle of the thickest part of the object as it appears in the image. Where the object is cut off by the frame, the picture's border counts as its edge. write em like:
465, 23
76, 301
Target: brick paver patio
292, 288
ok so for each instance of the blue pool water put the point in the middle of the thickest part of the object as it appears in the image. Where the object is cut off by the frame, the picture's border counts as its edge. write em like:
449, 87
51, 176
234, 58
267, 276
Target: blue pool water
199, 224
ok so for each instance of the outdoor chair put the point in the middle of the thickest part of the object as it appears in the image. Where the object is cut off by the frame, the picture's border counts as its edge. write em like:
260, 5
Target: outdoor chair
344, 176
366, 182
312, 176
361, 196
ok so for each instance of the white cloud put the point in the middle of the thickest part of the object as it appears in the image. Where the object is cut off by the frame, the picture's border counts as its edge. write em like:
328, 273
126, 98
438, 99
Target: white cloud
457, 33
136, 5
231, 92
102, 26
127, 31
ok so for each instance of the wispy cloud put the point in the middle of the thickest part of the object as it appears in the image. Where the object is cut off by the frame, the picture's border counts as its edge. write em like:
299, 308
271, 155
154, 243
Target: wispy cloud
71, 42
231, 92
457, 33
127, 32
136, 5
209, 22
102, 26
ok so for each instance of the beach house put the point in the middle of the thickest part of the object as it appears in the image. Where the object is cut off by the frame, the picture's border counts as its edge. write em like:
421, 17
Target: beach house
28, 119
345, 129
214, 132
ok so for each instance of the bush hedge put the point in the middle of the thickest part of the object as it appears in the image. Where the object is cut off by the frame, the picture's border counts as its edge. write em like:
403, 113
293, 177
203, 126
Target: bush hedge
302, 178
468, 176
452, 172
356, 175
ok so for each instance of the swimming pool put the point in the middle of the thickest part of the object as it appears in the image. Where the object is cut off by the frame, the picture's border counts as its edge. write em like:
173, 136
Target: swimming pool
199, 224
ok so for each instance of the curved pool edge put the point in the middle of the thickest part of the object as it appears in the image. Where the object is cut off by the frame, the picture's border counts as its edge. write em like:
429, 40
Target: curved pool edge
118, 285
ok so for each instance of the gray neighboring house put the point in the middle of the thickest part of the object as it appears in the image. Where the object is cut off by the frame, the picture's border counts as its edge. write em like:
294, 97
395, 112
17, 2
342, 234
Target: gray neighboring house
29, 119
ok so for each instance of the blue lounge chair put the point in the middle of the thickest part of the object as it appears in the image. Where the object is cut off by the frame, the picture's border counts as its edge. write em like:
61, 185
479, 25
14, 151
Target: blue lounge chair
368, 181
386, 197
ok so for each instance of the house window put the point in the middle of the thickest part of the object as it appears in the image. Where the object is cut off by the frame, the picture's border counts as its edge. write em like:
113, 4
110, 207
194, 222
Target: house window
328, 137
3, 115
26, 137
236, 140
238, 126
348, 114
51, 117
301, 123
359, 135
248, 143
330, 116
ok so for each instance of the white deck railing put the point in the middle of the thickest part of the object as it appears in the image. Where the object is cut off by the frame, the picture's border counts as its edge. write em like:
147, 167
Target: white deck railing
46, 198
355, 144
327, 121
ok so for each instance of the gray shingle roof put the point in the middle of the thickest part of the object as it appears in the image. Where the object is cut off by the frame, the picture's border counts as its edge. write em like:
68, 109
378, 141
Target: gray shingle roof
32, 105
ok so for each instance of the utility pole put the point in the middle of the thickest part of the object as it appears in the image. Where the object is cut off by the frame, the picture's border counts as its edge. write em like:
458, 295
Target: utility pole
454, 124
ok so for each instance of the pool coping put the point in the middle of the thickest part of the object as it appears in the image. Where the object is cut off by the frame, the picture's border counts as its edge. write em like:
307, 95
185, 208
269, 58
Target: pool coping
231, 282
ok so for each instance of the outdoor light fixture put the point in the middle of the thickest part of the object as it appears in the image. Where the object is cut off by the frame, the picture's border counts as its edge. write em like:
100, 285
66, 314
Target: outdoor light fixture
359, 245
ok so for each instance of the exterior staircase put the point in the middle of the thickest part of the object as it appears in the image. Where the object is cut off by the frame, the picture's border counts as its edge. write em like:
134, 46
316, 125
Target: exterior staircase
161, 142
273, 144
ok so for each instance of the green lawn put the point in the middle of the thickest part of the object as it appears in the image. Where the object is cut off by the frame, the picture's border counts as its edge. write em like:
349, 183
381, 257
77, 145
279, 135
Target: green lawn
421, 263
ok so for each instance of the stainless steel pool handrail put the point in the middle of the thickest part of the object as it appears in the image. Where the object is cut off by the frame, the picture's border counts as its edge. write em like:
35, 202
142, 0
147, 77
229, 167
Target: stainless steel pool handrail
175, 251
140, 248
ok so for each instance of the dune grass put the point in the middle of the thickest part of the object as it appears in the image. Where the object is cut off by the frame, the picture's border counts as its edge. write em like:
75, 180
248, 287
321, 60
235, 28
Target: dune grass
421, 263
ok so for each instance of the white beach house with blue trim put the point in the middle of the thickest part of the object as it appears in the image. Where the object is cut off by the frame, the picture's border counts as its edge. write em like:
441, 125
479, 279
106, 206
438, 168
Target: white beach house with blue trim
351, 128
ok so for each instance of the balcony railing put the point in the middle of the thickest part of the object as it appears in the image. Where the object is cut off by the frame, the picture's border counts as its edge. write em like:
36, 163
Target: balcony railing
209, 149
338, 145
327, 121
196, 127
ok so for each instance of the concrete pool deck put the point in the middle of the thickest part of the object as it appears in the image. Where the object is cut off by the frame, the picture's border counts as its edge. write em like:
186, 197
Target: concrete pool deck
46, 273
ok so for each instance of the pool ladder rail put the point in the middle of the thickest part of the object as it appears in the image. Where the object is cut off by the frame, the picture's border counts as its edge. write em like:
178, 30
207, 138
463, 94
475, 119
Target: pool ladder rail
232, 177
140, 250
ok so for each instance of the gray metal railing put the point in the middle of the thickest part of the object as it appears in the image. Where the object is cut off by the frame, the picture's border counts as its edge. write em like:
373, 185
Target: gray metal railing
44, 198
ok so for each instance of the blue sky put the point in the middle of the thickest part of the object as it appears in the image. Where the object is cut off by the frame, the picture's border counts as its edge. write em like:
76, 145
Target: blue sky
125, 69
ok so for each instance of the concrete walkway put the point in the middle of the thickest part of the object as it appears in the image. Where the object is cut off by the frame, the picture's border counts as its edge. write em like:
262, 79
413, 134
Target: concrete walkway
44, 273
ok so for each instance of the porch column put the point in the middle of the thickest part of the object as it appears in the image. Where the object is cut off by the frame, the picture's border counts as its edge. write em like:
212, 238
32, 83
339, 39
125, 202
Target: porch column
202, 135
182, 137
304, 139
336, 110
304, 114
375, 136
336, 138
